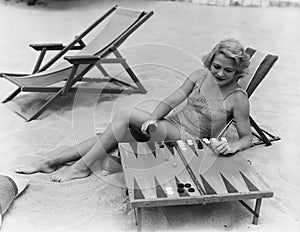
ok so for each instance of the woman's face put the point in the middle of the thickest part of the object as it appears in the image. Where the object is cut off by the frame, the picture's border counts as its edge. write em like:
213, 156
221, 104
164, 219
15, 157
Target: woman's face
222, 69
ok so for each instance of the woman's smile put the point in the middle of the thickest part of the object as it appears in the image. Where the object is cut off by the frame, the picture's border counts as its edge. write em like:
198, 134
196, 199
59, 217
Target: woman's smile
220, 78
223, 69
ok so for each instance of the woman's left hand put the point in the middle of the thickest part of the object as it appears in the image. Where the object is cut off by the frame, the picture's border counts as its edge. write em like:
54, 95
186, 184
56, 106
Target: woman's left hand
224, 147
147, 124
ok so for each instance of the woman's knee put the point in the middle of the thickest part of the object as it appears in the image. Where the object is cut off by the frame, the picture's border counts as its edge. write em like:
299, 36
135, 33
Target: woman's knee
121, 117
131, 116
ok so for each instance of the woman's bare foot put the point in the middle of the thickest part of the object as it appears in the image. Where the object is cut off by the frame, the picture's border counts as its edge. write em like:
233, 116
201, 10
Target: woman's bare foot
70, 173
38, 166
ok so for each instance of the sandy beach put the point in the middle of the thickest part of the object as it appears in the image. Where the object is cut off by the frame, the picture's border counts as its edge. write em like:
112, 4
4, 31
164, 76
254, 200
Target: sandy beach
162, 53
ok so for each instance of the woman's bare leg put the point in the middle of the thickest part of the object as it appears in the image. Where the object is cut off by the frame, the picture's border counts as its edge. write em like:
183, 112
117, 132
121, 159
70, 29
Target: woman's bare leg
50, 164
116, 132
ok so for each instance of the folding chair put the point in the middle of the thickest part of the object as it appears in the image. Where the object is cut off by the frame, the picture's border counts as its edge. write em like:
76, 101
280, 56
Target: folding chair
119, 24
260, 65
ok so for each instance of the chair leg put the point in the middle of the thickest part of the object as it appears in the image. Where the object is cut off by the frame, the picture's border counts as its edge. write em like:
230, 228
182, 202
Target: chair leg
140, 88
138, 218
102, 70
70, 82
45, 106
10, 97
70, 79
262, 136
130, 72
39, 60
134, 77
257, 209
111, 79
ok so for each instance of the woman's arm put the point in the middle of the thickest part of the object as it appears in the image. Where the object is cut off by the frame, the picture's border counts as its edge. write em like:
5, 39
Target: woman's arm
241, 112
173, 100
165, 106
240, 109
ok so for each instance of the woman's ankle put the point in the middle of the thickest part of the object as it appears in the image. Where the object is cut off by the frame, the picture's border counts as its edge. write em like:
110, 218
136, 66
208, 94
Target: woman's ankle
51, 162
81, 166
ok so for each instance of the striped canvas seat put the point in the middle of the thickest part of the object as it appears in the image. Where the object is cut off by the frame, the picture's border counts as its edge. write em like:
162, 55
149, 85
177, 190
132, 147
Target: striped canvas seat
260, 65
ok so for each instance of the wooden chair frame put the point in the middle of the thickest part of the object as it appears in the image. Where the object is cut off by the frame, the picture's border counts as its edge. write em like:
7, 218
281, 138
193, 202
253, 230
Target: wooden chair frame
261, 72
90, 61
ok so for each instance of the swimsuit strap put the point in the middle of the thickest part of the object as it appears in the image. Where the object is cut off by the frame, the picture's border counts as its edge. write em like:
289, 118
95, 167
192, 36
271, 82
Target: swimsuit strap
235, 90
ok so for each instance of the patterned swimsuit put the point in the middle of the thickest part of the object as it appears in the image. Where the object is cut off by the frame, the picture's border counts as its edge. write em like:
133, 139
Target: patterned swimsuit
202, 116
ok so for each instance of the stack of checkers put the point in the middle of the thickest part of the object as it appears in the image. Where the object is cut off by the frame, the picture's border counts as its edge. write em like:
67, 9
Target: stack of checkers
181, 187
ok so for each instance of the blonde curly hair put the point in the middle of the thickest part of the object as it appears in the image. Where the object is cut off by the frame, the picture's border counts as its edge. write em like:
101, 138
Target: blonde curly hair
233, 49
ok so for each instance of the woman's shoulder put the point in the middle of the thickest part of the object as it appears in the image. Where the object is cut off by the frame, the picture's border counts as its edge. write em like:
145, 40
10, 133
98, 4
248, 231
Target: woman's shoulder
239, 97
198, 75
237, 100
235, 90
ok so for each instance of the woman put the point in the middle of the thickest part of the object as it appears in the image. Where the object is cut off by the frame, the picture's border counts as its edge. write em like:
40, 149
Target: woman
211, 93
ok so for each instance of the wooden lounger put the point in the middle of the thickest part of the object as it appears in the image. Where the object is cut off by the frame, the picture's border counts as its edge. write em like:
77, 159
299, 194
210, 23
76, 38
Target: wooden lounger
101, 49
187, 172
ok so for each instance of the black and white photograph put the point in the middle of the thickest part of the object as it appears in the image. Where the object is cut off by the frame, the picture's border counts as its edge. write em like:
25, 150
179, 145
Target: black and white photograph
149, 115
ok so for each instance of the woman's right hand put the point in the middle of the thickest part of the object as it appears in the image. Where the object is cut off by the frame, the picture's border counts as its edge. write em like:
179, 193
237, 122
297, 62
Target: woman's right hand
223, 147
149, 126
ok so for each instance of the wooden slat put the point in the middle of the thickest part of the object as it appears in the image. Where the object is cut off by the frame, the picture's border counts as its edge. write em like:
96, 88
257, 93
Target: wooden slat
200, 200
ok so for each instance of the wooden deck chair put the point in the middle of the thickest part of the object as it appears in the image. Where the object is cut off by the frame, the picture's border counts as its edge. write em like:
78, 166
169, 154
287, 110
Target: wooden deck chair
119, 23
260, 65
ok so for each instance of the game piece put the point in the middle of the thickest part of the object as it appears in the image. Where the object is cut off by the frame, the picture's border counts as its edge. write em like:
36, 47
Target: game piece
191, 190
180, 190
187, 185
180, 185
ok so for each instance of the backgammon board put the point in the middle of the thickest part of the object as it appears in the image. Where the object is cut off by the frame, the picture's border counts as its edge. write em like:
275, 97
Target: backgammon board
188, 172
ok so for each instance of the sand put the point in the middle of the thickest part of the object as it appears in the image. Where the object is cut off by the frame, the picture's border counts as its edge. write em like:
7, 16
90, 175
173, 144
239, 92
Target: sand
166, 49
